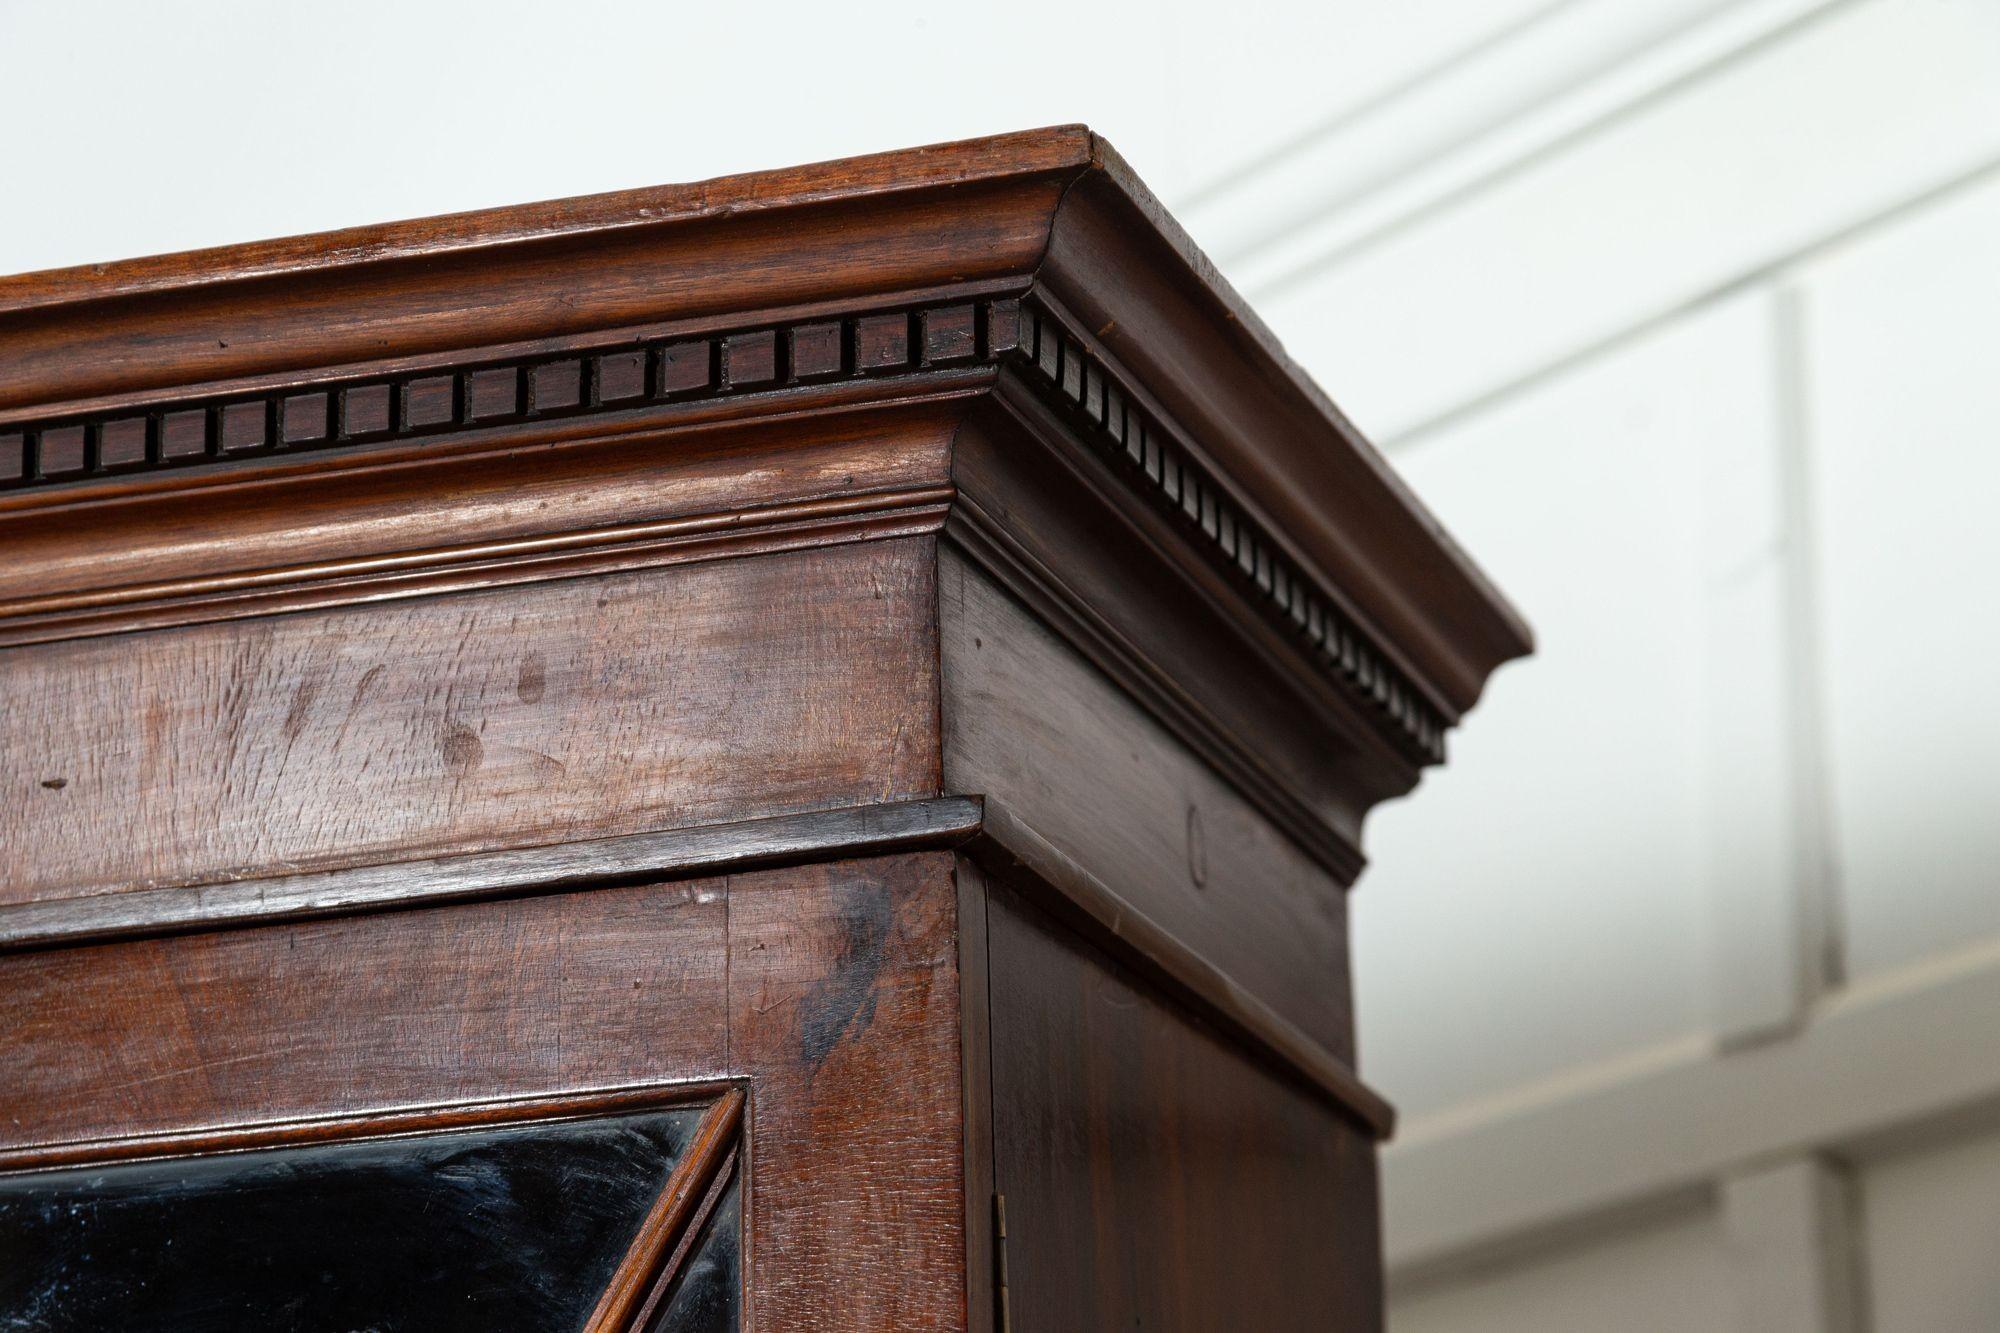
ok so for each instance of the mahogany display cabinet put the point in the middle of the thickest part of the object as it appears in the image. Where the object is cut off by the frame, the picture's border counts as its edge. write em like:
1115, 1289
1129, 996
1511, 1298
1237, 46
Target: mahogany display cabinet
784, 753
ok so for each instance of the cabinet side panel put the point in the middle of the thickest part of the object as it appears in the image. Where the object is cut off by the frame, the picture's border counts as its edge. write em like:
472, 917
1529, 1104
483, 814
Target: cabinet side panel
548, 712
1032, 726
1154, 1176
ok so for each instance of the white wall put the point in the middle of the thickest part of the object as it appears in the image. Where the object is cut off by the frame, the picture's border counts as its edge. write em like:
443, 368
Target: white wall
1933, 1237
1561, 923
1701, 357
1901, 333
1655, 1276
138, 127
1684, 314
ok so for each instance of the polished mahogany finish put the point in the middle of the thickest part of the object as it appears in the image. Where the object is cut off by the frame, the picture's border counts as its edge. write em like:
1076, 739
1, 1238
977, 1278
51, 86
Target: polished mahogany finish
878, 668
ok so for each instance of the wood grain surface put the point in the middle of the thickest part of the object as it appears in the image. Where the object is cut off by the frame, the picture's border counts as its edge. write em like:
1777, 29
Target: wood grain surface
1154, 1177
857, 231
574, 709
1043, 733
1015, 855
646, 1268
830, 991
530, 997
338, 512
515, 663
1056, 212
818, 835
1128, 274
845, 1004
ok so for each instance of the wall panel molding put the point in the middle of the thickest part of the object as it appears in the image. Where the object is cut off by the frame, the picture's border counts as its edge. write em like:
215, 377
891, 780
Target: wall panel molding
1791, 1238
1568, 67
1794, 139
1855, 1082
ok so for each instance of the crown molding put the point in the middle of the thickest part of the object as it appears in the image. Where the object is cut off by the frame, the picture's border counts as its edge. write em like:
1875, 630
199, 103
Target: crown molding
377, 380
1154, 462
515, 402
858, 232
439, 400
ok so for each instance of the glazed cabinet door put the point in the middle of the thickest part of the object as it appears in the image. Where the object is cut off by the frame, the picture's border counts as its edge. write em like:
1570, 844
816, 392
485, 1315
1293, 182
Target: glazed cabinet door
577, 1110
433, 1119
559, 1216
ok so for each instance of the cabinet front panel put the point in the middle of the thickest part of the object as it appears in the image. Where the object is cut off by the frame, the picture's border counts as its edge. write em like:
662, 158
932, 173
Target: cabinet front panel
530, 997
222, 1087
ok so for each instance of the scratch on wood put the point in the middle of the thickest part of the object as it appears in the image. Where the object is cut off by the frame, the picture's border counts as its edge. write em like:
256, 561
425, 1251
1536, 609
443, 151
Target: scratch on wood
203, 1067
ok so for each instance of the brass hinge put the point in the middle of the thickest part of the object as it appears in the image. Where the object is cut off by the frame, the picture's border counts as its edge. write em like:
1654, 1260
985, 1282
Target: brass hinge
1000, 1262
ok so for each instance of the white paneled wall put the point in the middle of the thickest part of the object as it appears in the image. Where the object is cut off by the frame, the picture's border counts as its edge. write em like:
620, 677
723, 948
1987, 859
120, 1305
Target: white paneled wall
1702, 925
1659, 1276
1901, 335
1932, 1221
1570, 900
1770, 149
1684, 314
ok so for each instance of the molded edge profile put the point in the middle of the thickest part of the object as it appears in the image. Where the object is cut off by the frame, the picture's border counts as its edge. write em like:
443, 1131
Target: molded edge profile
1057, 208
1159, 466
1022, 858
496, 497
632, 858
897, 279
1126, 272
649, 1265
1140, 461
348, 1126
1059, 152
981, 829
873, 230
1127, 591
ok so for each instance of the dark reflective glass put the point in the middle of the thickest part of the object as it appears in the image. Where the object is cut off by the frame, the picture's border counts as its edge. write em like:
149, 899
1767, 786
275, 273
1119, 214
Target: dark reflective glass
706, 1289
491, 1229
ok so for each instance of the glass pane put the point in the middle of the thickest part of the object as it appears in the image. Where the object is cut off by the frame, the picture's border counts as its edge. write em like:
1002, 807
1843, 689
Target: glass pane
490, 1229
706, 1289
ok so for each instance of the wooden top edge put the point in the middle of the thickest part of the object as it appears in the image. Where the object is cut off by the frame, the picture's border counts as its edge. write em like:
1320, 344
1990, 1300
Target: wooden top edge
992, 158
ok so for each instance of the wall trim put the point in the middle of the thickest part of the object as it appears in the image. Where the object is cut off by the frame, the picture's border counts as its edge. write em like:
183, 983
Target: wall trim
1885, 1063
1526, 92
